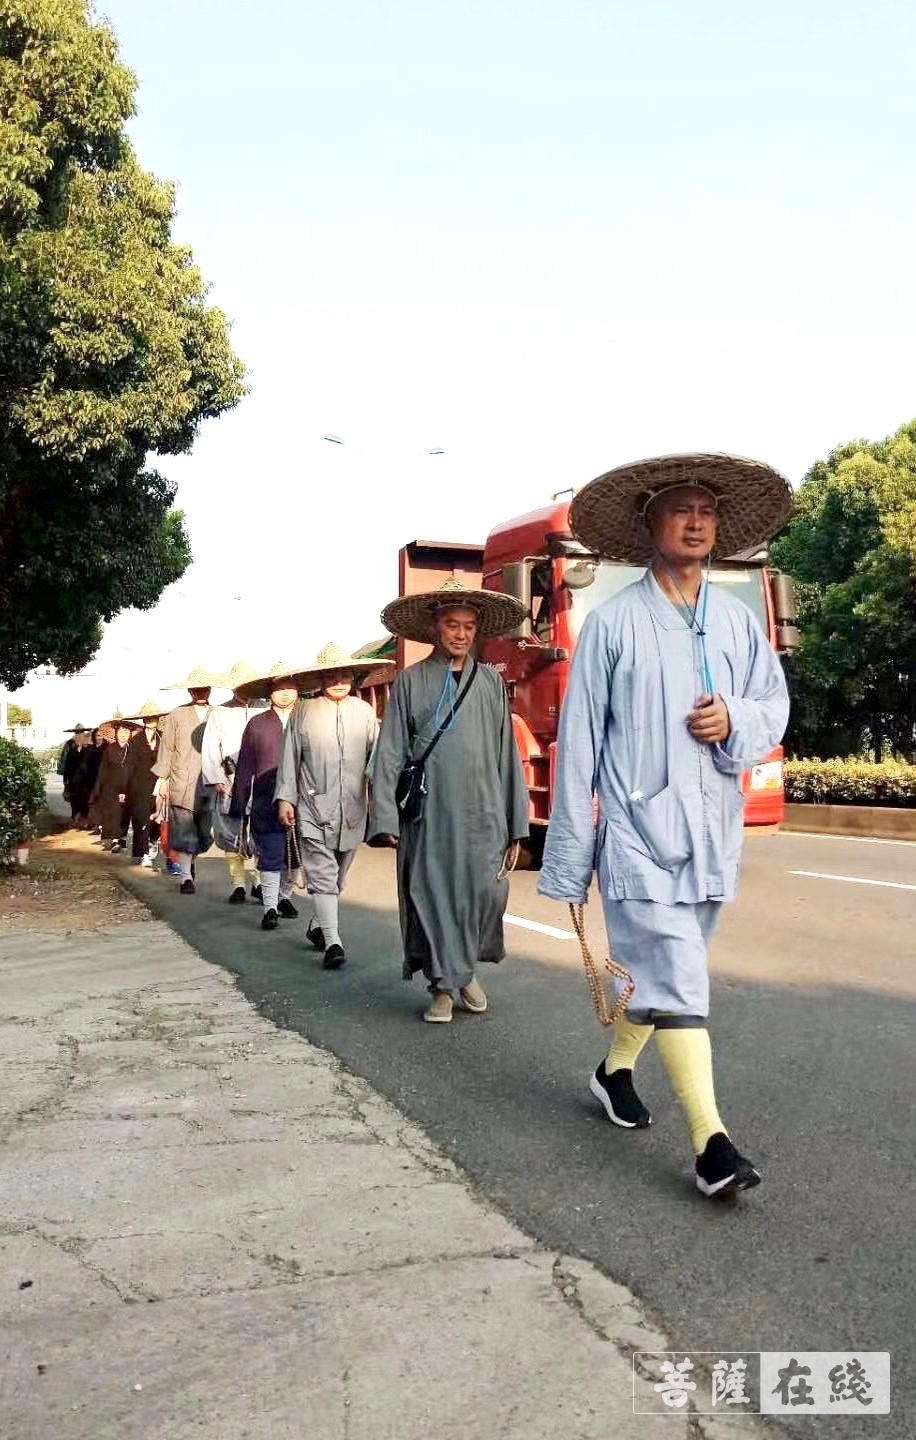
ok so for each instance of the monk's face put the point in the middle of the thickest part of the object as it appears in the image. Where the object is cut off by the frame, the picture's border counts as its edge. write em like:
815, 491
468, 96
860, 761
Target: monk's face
284, 696
124, 734
338, 685
683, 524
456, 631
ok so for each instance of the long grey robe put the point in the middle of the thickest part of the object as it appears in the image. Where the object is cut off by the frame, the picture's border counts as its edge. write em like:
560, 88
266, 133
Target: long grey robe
179, 758
451, 902
326, 751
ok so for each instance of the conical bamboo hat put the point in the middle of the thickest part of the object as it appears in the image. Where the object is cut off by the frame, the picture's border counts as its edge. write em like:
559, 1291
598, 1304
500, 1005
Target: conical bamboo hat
413, 617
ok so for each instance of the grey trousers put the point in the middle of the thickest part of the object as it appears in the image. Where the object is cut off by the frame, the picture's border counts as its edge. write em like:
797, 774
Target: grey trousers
325, 869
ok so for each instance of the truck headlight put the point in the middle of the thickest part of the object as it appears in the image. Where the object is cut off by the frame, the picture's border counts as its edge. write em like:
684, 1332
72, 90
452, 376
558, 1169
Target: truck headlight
767, 776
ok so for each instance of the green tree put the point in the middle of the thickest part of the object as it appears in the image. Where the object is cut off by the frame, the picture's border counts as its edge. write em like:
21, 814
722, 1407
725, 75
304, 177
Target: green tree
19, 714
108, 349
851, 547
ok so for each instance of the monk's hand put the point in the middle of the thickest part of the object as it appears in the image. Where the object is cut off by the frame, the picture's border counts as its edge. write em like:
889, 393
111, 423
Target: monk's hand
286, 814
384, 842
710, 722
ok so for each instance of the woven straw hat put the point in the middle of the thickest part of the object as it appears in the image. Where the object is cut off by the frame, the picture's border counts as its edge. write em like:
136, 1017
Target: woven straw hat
78, 729
149, 710
240, 674
607, 516
413, 617
199, 679
309, 677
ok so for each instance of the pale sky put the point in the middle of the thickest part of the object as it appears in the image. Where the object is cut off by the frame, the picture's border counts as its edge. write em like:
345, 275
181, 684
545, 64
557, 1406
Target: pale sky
546, 237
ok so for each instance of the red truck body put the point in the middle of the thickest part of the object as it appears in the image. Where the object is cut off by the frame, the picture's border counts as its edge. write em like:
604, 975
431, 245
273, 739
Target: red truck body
536, 558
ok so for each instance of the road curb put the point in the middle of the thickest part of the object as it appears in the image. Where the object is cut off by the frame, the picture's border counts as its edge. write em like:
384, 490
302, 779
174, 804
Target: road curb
872, 822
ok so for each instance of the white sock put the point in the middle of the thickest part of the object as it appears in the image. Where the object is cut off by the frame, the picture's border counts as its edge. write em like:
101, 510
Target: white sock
286, 885
185, 861
326, 908
270, 888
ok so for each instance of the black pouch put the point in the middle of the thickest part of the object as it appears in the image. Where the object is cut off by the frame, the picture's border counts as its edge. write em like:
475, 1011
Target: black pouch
410, 791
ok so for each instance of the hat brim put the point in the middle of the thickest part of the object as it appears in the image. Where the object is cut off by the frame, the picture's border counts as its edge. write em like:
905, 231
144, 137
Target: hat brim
207, 681
754, 503
413, 617
310, 679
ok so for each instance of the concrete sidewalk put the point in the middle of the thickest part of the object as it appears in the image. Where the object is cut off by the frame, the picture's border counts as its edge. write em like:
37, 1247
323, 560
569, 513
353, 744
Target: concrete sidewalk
209, 1228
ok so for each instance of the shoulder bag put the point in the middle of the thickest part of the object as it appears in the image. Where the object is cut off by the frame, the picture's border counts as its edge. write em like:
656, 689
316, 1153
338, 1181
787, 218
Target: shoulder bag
410, 791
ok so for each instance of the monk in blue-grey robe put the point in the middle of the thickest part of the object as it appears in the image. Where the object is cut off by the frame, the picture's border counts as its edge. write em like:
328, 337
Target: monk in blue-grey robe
674, 691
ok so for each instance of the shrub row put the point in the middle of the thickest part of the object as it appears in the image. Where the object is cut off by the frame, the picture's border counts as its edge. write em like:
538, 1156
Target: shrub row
22, 794
850, 782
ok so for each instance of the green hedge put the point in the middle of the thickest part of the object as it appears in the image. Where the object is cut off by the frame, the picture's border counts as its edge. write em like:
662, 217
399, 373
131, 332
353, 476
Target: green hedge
850, 782
22, 794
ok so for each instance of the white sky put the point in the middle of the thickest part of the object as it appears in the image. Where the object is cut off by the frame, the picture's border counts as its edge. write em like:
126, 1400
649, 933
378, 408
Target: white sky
549, 238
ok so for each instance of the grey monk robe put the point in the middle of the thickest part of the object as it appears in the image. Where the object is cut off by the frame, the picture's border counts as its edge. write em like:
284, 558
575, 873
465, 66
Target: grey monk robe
322, 770
179, 762
451, 902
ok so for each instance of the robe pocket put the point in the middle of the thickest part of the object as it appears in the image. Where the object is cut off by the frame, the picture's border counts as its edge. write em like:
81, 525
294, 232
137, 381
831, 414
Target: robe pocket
661, 825
319, 808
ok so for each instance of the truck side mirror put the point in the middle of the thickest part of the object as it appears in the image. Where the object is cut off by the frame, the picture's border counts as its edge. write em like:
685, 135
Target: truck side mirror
516, 581
788, 636
579, 576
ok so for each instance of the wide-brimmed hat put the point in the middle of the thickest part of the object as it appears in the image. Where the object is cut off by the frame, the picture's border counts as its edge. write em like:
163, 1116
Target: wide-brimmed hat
413, 617
79, 729
309, 677
149, 710
240, 674
753, 502
199, 679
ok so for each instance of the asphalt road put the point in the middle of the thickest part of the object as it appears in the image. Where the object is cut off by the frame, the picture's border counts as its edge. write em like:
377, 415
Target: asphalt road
813, 1024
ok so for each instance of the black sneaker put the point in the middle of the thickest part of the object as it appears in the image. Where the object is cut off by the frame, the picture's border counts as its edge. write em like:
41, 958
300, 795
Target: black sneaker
238, 896
721, 1170
256, 894
334, 957
287, 910
315, 935
188, 888
621, 1103
270, 920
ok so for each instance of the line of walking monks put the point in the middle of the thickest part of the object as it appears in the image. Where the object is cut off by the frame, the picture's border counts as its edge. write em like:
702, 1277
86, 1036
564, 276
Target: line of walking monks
673, 693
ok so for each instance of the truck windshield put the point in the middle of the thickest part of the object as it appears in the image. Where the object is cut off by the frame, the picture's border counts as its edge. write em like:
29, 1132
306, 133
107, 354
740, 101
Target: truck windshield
744, 582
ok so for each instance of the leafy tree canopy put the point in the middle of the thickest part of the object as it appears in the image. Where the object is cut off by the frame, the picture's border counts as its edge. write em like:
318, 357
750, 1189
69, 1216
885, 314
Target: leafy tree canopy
108, 349
851, 547
19, 714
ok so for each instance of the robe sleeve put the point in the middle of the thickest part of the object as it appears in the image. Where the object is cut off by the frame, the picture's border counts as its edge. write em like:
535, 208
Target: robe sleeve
163, 765
390, 754
569, 850
760, 714
515, 787
244, 774
211, 752
287, 787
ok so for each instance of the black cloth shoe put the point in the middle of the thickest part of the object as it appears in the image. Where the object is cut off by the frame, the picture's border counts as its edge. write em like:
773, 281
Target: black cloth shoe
315, 935
238, 896
334, 957
287, 910
621, 1103
270, 920
188, 888
256, 894
721, 1170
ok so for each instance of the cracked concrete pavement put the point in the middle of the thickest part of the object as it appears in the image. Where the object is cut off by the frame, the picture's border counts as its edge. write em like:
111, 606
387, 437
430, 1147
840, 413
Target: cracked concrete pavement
209, 1228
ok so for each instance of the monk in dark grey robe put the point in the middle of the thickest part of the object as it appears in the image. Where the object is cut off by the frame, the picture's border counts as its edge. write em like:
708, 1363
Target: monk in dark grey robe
452, 876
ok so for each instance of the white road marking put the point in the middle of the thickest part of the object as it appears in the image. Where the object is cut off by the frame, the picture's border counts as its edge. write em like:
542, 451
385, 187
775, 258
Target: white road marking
853, 880
541, 929
850, 839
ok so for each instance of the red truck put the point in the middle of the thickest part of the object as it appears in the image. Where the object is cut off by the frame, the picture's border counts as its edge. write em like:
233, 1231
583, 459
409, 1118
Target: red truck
536, 558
